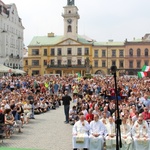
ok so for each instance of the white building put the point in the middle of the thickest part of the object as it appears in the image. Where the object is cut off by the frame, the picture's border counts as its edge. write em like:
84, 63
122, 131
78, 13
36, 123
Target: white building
11, 36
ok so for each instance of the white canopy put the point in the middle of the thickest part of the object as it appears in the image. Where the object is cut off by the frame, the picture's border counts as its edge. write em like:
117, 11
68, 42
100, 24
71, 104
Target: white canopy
18, 71
4, 69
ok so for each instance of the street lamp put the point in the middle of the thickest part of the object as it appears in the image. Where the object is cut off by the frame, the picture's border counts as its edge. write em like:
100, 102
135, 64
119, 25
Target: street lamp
118, 120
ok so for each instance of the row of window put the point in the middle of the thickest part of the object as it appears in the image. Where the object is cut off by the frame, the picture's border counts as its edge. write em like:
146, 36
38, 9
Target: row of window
96, 63
52, 62
138, 52
86, 52
59, 51
121, 63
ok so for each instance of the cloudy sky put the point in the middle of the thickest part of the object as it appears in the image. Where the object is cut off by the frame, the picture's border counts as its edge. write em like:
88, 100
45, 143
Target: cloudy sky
99, 19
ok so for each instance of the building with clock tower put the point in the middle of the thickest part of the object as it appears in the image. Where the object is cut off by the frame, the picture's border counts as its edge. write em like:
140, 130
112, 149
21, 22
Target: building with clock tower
72, 53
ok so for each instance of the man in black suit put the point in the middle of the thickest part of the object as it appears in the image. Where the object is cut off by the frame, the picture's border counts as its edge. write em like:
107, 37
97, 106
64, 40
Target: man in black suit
66, 102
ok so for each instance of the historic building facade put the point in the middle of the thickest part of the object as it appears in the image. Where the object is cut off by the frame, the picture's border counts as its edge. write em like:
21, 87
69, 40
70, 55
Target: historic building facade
72, 53
11, 36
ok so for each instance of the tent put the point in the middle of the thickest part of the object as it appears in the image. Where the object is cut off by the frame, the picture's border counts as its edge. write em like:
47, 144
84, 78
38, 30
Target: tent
4, 69
18, 71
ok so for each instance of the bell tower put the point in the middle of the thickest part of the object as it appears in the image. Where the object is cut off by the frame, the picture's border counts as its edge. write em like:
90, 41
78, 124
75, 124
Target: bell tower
71, 17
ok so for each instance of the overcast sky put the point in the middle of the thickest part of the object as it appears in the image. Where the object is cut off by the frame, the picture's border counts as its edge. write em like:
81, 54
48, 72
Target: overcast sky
99, 19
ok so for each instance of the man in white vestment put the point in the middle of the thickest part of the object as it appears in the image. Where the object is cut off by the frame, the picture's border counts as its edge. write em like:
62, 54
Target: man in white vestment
140, 134
80, 133
97, 133
111, 137
126, 135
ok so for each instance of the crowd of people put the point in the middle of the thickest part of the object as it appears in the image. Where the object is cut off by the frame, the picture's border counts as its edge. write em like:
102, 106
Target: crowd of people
93, 113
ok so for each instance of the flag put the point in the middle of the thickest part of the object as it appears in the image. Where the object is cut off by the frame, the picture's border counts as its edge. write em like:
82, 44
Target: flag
145, 68
79, 75
142, 74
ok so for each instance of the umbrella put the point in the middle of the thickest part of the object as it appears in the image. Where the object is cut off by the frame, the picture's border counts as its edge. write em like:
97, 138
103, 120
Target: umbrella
18, 71
5, 69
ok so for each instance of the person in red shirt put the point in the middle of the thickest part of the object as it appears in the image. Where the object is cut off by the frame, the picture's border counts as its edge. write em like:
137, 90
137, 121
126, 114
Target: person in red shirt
89, 116
146, 114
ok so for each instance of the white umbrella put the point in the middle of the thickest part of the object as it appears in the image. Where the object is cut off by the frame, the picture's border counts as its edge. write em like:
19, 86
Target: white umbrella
5, 69
18, 71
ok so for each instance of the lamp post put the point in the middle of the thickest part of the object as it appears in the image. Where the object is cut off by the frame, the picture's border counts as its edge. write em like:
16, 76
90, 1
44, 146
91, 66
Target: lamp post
118, 120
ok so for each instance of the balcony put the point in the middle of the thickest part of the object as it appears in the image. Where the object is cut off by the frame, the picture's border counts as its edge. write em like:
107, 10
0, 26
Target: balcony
66, 66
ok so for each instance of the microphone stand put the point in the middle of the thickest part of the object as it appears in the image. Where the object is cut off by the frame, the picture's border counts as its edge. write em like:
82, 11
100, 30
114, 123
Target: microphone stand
118, 120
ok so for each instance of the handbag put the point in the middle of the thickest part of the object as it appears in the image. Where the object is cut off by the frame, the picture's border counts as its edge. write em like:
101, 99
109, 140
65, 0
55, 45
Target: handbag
80, 138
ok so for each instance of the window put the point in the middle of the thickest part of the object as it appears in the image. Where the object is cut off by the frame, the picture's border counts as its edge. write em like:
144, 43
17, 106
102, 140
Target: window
138, 64
26, 62
146, 52
138, 52
69, 28
131, 64
79, 62
103, 53
69, 51
35, 62
95, 63
52, 62
69, 62
52, 51
35, 51
146, 62
86, 52
103, 63
96, 53
45, 52
79, 51
121, 64
35, 72
59, 62
121, 53
113, 63
45, 62
131, 52
113, 53
59, 51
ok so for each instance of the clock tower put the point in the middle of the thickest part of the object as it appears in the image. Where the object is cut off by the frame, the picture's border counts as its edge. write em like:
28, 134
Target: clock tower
71, 17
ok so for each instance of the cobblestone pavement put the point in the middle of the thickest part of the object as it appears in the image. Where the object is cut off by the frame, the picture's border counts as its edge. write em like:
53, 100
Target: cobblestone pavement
47, 132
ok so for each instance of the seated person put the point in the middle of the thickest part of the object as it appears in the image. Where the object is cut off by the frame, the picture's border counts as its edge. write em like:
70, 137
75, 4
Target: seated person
90, 116
111, 137
73, 115
126, 135
80, 133
97, 133
43, 106
141, 140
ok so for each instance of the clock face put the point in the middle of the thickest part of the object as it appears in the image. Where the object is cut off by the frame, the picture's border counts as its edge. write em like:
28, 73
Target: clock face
69, 21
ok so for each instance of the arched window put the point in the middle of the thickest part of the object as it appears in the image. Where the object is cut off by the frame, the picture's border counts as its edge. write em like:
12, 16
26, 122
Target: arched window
130, 52
69, 28
146, 52
138, 52
69, 12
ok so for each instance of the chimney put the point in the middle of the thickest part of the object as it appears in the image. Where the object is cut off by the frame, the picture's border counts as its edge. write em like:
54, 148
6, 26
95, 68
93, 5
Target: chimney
50, 34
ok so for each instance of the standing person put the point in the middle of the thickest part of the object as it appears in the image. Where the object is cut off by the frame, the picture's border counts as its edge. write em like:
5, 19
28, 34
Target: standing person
66, 102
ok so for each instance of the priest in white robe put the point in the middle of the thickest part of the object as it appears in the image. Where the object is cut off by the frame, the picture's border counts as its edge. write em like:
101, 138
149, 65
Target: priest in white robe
140, 135
127, 143
97, 133
111, 137
80, 133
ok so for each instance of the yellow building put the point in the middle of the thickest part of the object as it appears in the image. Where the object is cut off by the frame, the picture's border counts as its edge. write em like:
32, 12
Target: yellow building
72, 53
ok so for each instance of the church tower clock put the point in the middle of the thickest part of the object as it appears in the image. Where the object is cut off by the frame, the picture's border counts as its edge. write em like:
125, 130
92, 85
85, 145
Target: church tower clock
71, 17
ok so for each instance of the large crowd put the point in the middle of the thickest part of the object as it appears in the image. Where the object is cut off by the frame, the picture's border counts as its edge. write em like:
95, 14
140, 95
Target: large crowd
93, 113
